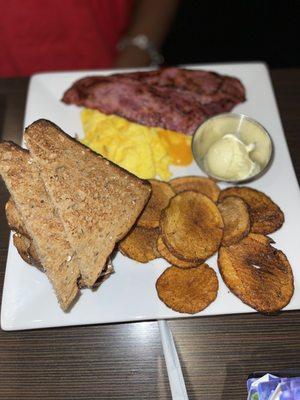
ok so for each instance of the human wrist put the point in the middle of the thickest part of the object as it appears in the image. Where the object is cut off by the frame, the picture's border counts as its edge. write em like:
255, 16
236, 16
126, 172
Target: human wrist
144, 44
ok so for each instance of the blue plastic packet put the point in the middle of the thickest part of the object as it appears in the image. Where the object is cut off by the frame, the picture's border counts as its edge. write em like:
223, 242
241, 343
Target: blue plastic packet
295, 383
266, 389
267, 386
289, 395
289, 388
253, 383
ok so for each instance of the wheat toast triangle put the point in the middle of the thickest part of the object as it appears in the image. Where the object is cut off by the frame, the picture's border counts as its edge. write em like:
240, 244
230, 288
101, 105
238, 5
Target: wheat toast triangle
97, 201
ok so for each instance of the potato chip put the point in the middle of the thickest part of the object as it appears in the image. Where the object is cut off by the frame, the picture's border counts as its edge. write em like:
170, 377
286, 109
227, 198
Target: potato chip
191, 226
159, 199
265, 216
168, 256
188, 290
262, 238
257, 273
236, 219
199, 184
140, 244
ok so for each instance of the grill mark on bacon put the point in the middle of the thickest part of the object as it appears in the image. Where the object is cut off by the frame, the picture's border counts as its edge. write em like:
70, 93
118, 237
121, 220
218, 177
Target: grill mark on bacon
201, 82
170, 98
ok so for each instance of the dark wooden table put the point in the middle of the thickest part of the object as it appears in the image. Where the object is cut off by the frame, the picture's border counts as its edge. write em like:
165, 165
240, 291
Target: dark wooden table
125, 361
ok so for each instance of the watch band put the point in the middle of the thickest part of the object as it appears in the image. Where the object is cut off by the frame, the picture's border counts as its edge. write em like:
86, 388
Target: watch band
143, 43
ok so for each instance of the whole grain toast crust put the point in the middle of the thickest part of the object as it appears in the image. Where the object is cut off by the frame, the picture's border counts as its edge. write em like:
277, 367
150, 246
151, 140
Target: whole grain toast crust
14, 219
40, 221
97, 201
24, 244
26, 250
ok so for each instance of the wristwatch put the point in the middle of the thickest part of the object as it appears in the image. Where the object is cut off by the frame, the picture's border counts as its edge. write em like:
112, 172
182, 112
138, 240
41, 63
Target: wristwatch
143, 43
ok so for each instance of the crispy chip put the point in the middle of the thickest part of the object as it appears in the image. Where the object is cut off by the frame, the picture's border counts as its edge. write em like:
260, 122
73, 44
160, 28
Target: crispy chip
167, 255
159, 199
191, 226
257, 273
188, 290
140, 244
198, 184
236, 219
265, 216
262, 238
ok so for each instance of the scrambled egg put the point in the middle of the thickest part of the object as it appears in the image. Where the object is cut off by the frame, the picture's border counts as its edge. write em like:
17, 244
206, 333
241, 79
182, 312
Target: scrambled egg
144, 151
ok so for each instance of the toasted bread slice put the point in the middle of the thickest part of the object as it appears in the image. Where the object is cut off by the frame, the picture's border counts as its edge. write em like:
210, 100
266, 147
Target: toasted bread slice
191, 226
28, 253
140, 244
106, 272
257, 273
97, 201
188, 290
22, 240
159, 199
40, 220
14, 218
168, 256
199, 184
236, 219
265, 216
26, 249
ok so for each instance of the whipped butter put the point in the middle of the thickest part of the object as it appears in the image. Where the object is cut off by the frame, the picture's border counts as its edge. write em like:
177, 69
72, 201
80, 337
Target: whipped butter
232, 147
229, 158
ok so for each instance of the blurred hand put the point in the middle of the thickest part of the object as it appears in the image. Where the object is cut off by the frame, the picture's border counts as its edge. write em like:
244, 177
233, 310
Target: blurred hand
152, 18
132, 56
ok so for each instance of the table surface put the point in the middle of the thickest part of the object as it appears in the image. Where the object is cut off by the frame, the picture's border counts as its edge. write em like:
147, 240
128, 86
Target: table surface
125, 361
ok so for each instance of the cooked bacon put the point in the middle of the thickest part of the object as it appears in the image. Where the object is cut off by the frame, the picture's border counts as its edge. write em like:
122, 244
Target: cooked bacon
198, 81
170, 98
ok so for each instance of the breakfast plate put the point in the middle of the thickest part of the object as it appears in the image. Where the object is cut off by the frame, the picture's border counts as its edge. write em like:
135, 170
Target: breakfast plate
129, 294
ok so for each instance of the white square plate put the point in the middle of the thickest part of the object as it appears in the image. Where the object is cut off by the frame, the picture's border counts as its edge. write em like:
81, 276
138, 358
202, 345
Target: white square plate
129, 294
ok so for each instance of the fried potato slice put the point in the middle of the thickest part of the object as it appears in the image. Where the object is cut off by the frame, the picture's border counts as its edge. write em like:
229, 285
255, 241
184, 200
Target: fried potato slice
140, 244
191, 226
262, 238
167, 255
188, 290
257, 273
159, 199
265, 216
199, 184
234, 212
